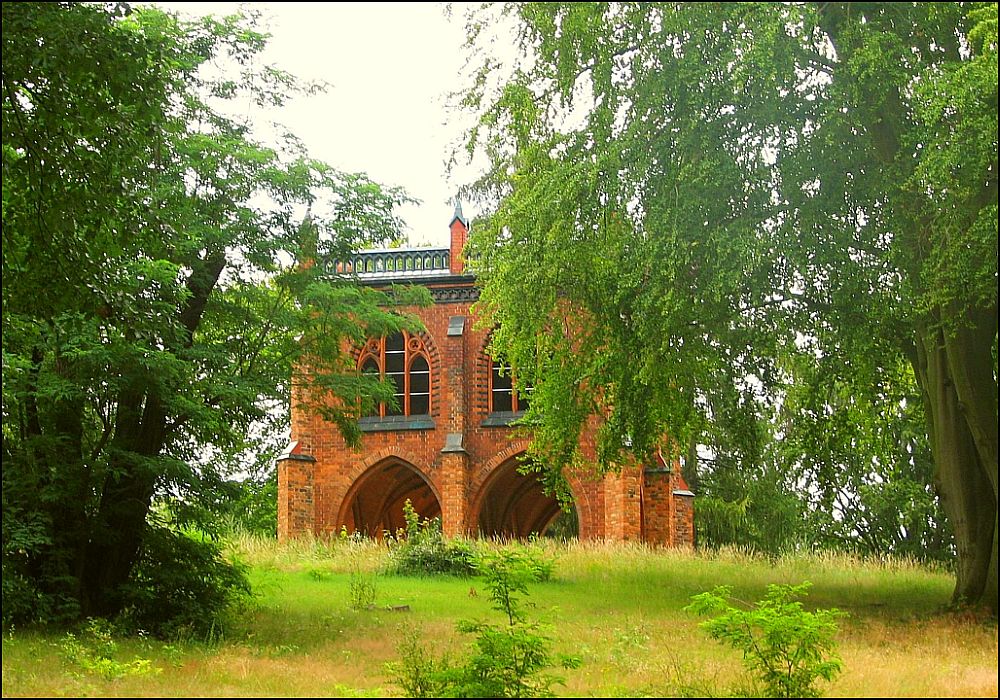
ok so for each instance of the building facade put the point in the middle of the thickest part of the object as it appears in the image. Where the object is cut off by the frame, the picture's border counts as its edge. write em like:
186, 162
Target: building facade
450, 447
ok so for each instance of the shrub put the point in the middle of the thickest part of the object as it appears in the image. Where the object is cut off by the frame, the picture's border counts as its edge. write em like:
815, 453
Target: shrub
509, 660
786, 648
37, 587
422, 549
183, 587
418, 673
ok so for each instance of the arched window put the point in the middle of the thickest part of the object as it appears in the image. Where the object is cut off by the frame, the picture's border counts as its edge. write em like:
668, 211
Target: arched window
503, 397
402, 359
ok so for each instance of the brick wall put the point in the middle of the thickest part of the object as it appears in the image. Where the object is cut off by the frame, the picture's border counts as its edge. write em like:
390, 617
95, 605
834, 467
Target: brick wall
325, 484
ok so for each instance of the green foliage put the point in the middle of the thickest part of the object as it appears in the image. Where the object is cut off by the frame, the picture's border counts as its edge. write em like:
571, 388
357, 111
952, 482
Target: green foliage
786, 648
417, 672
224, 506
158, 298
364, 589
834, 467
759, 227
30, 595
752, 508
95, 653
183, 587
422, 549
871, 480
509, 660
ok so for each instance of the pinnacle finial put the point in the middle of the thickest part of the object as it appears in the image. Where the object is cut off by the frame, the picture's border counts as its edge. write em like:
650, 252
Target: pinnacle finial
458, 213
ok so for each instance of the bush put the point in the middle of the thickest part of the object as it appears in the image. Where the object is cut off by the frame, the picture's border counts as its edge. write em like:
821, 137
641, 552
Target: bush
418, 673
509, 660
37, 587
183, 587
422, 549
786, 648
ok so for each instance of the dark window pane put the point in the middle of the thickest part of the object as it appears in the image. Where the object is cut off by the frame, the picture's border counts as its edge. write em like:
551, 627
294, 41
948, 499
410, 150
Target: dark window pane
398, 380
420, 404
420, 382
523, 399
501, 382
394, 362
394, 342
370, 367
500, 385
502, 401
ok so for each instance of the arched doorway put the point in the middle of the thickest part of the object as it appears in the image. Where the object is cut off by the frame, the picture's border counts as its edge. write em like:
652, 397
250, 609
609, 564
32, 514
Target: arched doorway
513, 504
374, 505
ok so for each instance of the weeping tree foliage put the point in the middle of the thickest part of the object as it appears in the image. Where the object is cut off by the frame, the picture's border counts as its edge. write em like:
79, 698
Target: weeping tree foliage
692, 199
153, 305
865, 463
831, 466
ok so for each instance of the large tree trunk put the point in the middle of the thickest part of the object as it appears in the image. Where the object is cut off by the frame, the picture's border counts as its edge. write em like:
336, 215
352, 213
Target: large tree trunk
954, 360
140, 437
120, 523
955, 369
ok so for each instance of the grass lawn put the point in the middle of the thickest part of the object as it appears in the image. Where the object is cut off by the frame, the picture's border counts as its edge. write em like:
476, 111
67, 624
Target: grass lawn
617, 607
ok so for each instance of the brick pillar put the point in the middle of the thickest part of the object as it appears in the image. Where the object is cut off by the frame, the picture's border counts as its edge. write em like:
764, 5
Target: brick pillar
454, 490
631, 504
623, 499
454, 474
296, 509
657, 503
683, 535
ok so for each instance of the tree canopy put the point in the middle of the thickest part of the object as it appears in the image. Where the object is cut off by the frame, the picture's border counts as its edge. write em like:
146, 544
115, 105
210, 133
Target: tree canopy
785, 207
155, 304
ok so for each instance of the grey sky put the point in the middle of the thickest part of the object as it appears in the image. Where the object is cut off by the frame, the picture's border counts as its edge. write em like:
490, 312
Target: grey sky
389, 66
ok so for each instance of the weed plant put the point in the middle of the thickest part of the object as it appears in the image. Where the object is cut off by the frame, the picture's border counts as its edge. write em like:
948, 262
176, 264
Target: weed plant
786, 648
511, 659
95, 652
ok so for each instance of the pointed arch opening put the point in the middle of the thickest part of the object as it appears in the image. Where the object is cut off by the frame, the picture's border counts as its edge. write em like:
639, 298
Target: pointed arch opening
513, 505
374, 505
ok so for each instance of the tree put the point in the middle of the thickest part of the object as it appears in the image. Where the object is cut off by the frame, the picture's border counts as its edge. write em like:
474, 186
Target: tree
154, 306
721, 192
866, 462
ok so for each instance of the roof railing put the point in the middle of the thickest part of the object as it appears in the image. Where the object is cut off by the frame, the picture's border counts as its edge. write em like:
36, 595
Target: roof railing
394, 262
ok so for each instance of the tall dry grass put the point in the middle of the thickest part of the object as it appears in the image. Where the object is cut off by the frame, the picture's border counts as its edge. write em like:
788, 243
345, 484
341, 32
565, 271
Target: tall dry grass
616, 606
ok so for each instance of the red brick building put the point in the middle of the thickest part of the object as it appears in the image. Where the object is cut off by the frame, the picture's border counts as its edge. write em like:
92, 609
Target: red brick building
450, 447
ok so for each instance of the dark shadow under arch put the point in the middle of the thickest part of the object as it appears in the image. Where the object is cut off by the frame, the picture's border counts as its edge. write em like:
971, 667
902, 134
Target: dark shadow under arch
513, 505
374, 505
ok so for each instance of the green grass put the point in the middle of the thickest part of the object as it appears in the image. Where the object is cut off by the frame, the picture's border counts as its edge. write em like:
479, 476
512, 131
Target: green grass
617, 607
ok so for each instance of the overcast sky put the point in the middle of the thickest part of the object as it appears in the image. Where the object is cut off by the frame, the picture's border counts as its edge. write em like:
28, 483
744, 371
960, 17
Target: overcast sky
389, 66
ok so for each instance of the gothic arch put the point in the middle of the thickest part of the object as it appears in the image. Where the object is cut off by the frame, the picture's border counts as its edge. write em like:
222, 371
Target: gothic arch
510, 504
380, 485
514, 448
